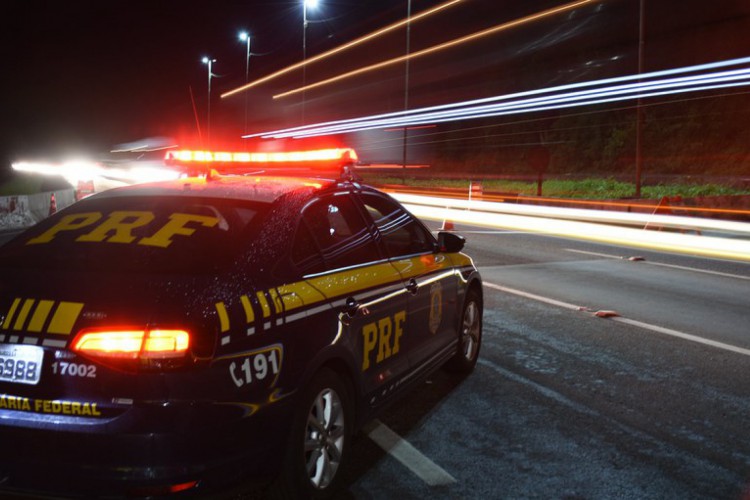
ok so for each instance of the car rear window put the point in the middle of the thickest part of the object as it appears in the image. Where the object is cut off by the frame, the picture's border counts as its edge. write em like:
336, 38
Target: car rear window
132, 234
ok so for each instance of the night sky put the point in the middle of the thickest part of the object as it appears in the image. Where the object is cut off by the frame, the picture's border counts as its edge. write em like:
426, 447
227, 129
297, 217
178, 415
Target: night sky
83, 76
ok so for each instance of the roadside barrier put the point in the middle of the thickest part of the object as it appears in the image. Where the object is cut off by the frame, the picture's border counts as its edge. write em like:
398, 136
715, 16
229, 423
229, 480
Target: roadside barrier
17, 212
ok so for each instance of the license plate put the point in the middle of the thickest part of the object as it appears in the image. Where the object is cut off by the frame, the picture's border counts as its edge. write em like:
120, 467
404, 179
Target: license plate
21, 364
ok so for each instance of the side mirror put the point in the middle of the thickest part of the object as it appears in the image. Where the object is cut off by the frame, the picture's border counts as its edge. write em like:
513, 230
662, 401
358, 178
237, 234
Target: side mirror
450, 242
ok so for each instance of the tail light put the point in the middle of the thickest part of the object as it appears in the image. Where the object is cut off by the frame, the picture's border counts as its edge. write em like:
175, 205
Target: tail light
144, 347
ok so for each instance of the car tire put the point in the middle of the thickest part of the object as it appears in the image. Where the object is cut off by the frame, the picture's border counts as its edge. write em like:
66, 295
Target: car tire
469, 335
319, 440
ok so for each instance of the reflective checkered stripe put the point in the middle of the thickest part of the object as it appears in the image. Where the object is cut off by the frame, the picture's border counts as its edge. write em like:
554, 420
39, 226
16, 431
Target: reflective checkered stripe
28, 318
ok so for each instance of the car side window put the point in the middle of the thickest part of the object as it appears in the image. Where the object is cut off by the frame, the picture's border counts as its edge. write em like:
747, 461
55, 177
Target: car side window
339, 231
305, 254
401, 233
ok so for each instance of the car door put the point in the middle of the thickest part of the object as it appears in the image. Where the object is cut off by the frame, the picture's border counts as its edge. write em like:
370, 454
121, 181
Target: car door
428, 276
364, 287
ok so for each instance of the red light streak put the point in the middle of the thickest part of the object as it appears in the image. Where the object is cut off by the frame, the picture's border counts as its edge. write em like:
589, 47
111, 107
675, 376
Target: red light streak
440, 47
341, 48
189, 156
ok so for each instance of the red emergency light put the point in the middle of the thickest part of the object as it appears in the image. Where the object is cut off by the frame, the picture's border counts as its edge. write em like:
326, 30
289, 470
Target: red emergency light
186, 156
332, 162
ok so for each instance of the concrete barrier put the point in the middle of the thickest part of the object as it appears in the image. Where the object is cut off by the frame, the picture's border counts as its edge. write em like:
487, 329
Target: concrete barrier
17, 212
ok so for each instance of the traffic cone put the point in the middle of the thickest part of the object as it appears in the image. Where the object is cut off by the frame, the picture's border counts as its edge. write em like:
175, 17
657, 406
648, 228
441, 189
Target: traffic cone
661, 209
447, 225
475, 191
52, 204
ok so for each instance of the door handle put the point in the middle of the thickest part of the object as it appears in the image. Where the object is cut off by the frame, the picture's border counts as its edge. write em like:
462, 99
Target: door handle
353, 306
412, 286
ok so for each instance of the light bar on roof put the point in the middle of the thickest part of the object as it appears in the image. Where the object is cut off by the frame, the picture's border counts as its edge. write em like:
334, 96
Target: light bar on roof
190, 156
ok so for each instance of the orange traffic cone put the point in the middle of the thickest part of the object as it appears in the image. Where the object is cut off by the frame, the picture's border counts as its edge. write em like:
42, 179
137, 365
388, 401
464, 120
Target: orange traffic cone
475, 190
52, 204
447, 225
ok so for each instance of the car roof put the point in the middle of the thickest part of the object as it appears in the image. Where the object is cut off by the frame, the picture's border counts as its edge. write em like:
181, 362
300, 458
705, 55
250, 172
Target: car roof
260, 188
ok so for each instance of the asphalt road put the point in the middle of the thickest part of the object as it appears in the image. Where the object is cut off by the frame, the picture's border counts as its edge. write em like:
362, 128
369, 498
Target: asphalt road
568, 405
653, 403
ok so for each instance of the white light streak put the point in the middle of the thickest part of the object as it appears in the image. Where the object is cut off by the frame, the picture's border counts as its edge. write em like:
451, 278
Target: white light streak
709, 246
580, 214
647, 85
76, 171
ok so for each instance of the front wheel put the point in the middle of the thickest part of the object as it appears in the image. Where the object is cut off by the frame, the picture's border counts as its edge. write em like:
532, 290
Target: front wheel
470, 335
319, 440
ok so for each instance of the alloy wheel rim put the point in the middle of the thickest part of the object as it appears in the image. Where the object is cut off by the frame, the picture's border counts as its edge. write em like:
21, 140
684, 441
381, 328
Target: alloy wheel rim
324, 438
470, 330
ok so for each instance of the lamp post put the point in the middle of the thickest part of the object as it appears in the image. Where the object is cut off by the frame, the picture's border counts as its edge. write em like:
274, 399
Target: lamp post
245, 37
208, 61
406, 78
639, 107
305, 5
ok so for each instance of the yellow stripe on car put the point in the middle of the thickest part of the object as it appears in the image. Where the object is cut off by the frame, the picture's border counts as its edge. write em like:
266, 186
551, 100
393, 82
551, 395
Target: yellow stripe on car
23, 313
65, 317
40, 315
11, 313
221, 310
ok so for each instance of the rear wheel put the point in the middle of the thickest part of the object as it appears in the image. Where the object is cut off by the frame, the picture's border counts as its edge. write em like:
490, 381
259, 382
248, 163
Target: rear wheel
319, 441
470, 335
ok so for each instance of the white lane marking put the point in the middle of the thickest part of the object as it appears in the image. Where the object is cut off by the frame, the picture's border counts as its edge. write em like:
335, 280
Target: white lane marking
660, 264
682, 335
595, 254
620, 319
532, 296
460, 231
408, 455
704, 271
541, 389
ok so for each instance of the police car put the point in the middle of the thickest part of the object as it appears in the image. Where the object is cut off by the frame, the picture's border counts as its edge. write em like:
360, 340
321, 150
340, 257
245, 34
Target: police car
173, 337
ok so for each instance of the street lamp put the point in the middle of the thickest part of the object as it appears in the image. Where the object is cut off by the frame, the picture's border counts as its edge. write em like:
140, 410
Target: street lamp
306, 4
245, 37
639, 107
208, 61
406, 78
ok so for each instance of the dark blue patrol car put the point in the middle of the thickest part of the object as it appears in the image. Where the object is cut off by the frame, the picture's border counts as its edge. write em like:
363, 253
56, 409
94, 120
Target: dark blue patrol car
170, 338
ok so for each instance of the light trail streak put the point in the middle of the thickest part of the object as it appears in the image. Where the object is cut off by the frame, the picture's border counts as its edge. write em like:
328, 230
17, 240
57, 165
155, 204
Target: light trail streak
707, 246
650, 206
508, 97
575, 99
439, 47
453, 193
561, 101
83, 170
513, 111
547, 213
342, 48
